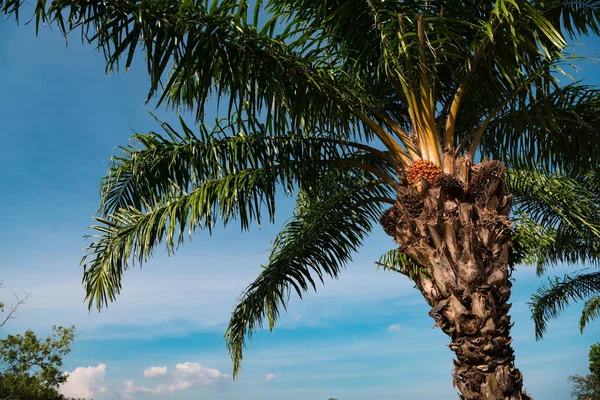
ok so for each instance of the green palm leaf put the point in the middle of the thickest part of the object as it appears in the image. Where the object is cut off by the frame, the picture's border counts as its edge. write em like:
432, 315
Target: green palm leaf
560, 129
131, 235
546, 247
177, 183
558, 216
396, 261
591, 310
158, 166
550, 300
317, 242
335, 64
558, 222
198, 49
557, 199
578, 17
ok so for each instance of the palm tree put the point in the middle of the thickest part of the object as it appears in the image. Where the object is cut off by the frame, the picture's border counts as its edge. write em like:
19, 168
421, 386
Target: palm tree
350, 106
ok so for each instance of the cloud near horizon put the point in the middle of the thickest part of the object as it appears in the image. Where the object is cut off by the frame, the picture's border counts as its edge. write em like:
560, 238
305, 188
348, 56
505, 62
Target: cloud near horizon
85, 382
186, 376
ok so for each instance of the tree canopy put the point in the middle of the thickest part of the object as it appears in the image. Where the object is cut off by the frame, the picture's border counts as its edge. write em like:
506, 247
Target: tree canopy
588, 387
30, 366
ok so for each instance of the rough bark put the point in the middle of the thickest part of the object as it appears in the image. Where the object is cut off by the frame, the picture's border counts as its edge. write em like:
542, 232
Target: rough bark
458, 229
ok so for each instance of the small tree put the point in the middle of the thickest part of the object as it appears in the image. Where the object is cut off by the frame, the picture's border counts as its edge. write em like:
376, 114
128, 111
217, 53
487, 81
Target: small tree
588, 387
30, 367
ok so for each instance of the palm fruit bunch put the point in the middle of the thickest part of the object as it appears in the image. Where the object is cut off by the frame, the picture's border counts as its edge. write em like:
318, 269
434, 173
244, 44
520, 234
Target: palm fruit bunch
389, 220
411, 202
482, 175
450, 185
423, 169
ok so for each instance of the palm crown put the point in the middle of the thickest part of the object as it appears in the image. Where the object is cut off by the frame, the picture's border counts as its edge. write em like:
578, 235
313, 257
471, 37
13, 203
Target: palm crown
337, 103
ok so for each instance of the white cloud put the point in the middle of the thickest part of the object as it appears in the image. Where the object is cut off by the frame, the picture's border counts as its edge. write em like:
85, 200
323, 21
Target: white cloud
185, 376
155, 372
394, 328
85, 382
270, 377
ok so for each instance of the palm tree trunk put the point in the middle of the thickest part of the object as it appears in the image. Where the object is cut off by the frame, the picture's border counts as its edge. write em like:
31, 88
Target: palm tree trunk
460, 234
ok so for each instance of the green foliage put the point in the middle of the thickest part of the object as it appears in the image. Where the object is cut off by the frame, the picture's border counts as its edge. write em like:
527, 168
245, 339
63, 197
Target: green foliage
30, 367
588, 387
584, 387
318, 65
547, 130
198, 49
550, 300
396, 261
591, 311
175, 184
330, 223
595, 361
557, 216
27, 354
558, 222
27, 387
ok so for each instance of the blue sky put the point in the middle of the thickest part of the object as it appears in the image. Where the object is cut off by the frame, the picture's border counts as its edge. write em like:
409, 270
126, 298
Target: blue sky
365, 336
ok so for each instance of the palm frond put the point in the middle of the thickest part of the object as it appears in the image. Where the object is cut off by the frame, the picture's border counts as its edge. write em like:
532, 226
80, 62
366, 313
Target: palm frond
178, 183
396, 261
550, 130
130, 235
591, 311
317, 242
337, 60
544, 247
159, 166
557, 199
198, 49
557, 216
551, 300
576, 17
